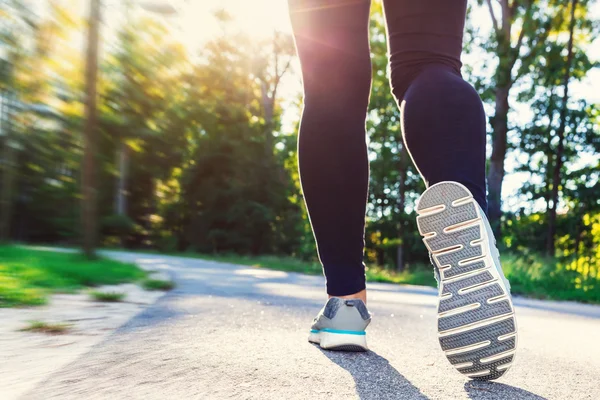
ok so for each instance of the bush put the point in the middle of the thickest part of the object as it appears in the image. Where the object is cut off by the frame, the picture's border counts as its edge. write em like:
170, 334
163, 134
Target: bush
158, 284
546, 278
107, 297
167, 243
119, 226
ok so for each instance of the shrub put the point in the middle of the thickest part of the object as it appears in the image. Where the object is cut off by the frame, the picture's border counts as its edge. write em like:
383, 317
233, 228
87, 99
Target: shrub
158, 284
108, 297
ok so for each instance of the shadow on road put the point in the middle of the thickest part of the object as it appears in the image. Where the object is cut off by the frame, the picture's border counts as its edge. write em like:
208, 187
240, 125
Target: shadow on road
375, 378
494, 390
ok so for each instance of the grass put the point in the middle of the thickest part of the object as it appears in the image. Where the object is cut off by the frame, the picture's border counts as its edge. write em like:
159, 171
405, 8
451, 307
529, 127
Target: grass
157, 284
416, 275
544, 278
45, 327
28, 276
107, 297
530, 275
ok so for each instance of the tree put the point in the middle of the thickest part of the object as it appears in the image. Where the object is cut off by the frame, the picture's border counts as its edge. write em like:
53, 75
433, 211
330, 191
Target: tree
8, 162
88, 171
26, 42
558, 163
561, 128
233, 184
143, 120
271, 62
534, 19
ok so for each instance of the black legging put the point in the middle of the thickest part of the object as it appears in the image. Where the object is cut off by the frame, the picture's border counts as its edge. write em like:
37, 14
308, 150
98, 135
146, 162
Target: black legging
443, 121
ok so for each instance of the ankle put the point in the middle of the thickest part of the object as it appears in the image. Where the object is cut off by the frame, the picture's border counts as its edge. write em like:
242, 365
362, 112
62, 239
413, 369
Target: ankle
362, 295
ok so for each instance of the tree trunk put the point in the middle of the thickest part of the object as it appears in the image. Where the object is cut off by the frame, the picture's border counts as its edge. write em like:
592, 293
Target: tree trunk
496, 168
556, 176
500, 120
401, 205
121, 189
549, 156
8, 183
9, 170
88, 174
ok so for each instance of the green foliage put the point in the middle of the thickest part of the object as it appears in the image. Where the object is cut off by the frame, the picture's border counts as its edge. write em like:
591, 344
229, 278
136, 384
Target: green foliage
27, 276
546, 278
417, 275
15, 292
117, 225
158, 284
107, 297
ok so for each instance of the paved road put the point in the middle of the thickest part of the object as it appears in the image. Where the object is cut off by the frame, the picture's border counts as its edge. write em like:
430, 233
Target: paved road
233, 332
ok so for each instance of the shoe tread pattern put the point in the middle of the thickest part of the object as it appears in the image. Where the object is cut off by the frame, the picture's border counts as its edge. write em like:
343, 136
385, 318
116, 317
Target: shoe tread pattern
464, 244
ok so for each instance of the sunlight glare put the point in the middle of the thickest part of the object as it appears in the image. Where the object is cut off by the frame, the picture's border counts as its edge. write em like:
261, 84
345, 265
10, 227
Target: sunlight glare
257, 19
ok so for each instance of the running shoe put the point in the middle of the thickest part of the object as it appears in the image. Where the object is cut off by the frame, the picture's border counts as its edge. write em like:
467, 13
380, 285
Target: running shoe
476, 319
341, 325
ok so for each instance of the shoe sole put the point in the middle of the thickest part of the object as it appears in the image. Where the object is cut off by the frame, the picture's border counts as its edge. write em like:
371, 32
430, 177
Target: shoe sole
339, 341
476, 320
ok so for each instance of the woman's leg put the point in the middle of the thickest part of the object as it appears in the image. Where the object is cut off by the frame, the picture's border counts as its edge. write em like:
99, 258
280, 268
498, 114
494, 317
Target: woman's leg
333, 45
443, 121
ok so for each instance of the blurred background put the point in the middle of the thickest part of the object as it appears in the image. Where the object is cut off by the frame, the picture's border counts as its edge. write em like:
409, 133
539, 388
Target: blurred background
172, 127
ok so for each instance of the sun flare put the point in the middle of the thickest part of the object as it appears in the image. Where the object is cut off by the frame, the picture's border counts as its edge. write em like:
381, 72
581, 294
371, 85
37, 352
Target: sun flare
256, 19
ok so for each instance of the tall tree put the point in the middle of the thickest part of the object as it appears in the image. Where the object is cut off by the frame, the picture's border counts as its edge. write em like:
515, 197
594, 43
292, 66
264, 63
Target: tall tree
534, 19
26, 43
88, 171
558, 163
7, 104
271, 63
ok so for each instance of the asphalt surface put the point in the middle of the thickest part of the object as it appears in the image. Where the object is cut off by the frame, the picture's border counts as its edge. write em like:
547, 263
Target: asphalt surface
235, 332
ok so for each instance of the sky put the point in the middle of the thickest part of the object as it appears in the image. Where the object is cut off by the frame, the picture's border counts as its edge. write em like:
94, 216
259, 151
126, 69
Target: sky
195, 24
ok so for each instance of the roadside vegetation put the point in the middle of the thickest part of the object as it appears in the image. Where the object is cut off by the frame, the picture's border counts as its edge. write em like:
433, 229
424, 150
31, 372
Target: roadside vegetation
28, 276
157, 284
47, 327
107, 297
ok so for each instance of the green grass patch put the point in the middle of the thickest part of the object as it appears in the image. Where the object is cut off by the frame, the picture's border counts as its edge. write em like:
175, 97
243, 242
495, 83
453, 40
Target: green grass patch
157, 284
415, 275
546, 278
46, 327
107, 297
28, 276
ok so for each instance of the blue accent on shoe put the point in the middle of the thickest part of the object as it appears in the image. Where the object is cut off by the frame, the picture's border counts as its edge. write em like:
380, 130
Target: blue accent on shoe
361, 333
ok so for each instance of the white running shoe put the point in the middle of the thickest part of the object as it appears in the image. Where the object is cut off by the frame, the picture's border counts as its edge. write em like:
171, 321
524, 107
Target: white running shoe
341, 325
